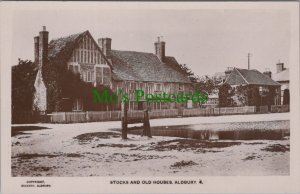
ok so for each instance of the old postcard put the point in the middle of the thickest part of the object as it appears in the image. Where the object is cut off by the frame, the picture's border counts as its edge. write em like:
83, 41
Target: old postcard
150, 97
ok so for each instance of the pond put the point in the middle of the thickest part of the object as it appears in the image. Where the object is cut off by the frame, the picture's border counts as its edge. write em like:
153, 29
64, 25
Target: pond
197, 132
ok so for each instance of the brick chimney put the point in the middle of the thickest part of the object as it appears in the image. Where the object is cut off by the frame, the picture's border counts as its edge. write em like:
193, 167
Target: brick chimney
105, 45
36, 50
43, 47
228, 71
268, 73
280, 67
160, 49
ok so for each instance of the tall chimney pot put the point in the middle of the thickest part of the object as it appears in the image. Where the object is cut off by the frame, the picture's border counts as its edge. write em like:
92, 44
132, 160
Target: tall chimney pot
228, 71
43, 47
280, 67
36, 50
160, 49
268, 73
105, 45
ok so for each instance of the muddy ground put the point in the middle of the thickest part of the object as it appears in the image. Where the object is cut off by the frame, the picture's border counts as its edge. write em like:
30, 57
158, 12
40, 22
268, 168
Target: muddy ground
97, 150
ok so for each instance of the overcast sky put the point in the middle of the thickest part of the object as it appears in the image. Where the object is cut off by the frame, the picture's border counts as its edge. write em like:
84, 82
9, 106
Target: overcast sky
207, 40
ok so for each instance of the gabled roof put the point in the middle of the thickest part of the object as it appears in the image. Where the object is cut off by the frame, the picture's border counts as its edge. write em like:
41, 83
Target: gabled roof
252, 76
141, 66
282, 76
126, 65
61, 49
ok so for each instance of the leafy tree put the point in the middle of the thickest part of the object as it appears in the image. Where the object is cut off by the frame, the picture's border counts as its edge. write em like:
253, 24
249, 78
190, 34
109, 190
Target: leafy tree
64, 86
186, 70
269, 97
23, 77
225, 94
248, 95
253, 96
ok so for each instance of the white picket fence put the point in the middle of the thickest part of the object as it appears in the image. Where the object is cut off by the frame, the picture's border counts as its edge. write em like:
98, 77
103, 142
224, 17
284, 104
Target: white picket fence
95, 116
219, 111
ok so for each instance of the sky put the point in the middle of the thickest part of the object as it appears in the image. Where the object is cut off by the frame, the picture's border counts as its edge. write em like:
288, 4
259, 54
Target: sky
208, 41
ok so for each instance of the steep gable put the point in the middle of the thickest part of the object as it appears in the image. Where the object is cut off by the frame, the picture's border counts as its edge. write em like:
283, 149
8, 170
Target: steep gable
61, 49
235, 78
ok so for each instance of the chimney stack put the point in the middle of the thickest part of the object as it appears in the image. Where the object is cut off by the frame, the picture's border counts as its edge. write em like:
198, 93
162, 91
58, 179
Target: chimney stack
105, 45
160, 49
36, 50
280, 67
43, 47
228, 71
268, 73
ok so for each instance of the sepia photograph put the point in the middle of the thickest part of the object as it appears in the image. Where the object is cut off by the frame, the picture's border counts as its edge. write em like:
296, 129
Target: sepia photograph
151, 92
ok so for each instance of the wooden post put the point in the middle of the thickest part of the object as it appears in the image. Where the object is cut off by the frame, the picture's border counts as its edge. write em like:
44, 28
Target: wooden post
146, 131
124, 120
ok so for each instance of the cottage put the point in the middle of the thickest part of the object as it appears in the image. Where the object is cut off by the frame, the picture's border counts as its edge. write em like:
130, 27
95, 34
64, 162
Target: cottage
99, 64
255, 85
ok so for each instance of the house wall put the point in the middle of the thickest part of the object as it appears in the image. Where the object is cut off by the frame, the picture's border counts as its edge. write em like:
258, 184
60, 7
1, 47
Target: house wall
129, 88
238, 101
284, 85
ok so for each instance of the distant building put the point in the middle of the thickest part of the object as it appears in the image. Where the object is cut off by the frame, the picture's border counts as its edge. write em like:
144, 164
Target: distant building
212, 100
257, 80
282, 76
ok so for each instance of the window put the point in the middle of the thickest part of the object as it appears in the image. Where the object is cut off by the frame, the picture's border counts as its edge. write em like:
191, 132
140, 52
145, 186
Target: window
180, 87
73, 57
75, 69
92, 57
133, 86
77, 56
89, 77
77, 105
263, 90
158, 87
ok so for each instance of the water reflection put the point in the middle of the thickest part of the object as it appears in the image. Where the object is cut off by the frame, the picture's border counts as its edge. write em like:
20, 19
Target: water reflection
188, 131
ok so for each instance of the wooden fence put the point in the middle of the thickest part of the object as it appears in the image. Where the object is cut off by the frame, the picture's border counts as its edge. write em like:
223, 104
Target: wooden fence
280, 108
166, 113
198, 112
21, 117
262, 109
219, 111
95, 116
235, 110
